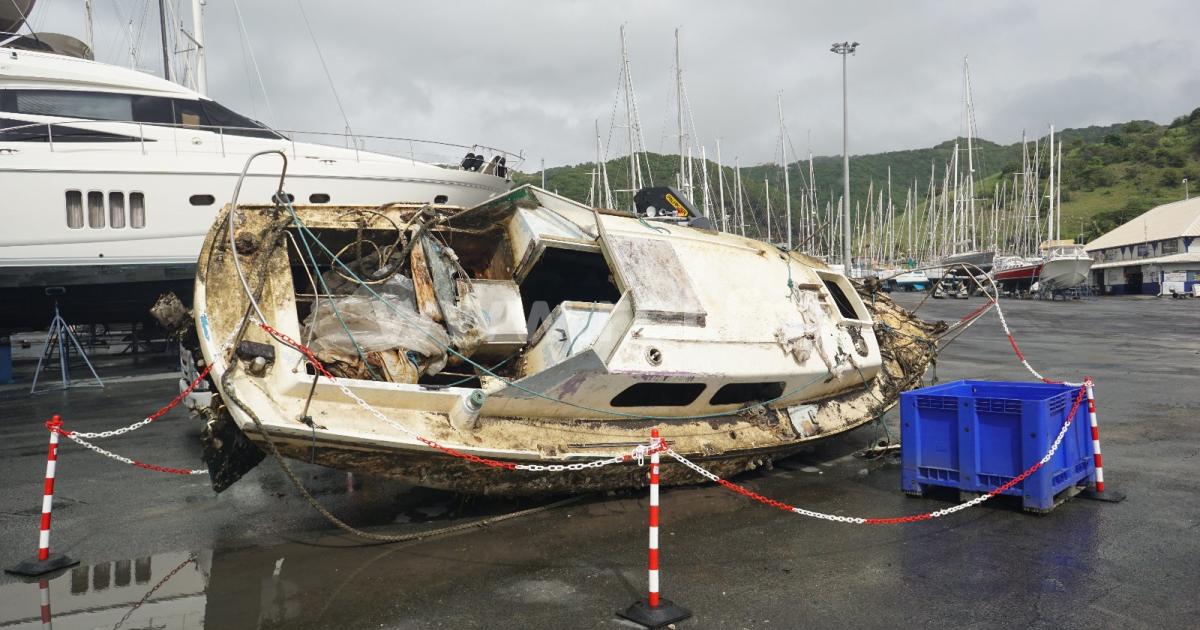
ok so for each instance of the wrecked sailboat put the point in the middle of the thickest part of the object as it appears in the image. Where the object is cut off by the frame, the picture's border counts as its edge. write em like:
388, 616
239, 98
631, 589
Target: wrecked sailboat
529, 329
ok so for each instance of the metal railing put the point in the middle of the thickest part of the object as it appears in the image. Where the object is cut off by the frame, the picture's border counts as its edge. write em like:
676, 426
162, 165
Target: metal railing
415, 149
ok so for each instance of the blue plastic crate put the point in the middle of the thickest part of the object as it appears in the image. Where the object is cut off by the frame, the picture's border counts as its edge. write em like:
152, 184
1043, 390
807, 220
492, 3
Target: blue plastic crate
977, 435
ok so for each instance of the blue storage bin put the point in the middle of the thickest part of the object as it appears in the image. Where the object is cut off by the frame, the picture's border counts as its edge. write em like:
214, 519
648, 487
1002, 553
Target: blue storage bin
978, 435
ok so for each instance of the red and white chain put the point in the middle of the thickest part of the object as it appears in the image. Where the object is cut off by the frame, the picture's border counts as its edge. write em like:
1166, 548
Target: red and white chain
857, 520
75, 437
152, 417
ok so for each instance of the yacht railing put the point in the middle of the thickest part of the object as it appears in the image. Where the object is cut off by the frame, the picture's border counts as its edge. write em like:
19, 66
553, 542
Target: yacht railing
416, 149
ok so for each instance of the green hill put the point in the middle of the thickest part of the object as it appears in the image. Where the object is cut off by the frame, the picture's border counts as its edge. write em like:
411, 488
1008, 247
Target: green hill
1110, 173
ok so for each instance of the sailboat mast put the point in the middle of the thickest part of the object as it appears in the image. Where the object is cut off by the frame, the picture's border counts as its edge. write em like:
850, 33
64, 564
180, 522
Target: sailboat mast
1058, 195
787, 186
162, 26
679, 112
1052, 225
970, 207
721, 189
88, 29
767, 189
741, 215
634, 171
198, 38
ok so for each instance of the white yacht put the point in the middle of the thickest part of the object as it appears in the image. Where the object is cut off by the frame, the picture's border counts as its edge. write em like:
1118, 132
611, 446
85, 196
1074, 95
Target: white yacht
111, 177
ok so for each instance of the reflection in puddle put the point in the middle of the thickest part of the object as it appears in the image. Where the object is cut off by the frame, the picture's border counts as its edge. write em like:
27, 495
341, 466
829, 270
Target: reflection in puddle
164, 591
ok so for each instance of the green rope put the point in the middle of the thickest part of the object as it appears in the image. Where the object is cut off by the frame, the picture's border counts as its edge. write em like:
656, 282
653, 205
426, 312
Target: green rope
332, 302
522, 388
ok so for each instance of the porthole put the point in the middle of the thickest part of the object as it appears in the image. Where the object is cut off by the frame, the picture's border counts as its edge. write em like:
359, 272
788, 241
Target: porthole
116, 210
74, 209
202, 200
95, 209
441, 199
137, 210
318, 198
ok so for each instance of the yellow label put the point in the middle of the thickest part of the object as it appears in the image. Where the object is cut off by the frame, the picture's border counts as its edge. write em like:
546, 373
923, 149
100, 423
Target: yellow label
679, 209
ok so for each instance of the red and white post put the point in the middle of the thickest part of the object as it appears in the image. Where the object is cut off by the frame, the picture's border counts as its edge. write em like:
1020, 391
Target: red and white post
654, 611
45, 561
1098, 492
44, 600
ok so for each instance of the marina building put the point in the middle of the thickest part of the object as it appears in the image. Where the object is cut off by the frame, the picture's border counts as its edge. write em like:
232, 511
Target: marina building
1156, 253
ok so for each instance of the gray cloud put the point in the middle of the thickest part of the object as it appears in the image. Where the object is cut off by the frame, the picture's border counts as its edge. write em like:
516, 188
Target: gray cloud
535, 75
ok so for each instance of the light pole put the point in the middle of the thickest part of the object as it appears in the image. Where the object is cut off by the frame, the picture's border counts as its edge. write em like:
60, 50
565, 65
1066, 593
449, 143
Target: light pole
844, 49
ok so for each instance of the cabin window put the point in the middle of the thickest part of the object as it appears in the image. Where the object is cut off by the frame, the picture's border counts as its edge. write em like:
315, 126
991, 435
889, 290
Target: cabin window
233, 123
441, 199
658, 395
318, 198
562, 275
95, 207
154, 110
116, 209
72, 104
202, 200
74, 209
839, 298
137, 210
741, 393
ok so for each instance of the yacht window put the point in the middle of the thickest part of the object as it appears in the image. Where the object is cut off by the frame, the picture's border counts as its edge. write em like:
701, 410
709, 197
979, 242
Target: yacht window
74, 209
202, 200
440, 199
318, 198
116, 209
137, 210
232, 122
740, 393
153, 109
188, 114
95, 204
69, 104
658, 395
12, 130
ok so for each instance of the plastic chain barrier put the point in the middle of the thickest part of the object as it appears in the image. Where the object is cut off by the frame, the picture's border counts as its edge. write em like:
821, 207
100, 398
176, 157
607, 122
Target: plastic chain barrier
855, 520
152, 417
637, 453
121, 458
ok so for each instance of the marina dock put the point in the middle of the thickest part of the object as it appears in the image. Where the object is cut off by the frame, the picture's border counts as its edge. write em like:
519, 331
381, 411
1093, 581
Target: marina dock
259, 556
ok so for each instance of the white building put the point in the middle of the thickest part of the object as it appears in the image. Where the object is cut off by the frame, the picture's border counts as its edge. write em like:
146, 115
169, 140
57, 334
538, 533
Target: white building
1155, 253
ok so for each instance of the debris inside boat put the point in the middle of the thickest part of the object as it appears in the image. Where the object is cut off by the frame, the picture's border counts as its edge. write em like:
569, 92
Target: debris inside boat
529, 329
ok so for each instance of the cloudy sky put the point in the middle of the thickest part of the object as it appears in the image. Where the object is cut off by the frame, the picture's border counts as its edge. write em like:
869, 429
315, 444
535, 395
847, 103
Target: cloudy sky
535, 76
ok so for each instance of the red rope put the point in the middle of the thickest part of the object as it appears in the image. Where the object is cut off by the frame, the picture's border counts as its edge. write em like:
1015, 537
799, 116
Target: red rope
316, 363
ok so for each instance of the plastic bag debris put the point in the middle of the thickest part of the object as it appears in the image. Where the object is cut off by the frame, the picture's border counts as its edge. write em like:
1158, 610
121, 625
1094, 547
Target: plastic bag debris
378, 328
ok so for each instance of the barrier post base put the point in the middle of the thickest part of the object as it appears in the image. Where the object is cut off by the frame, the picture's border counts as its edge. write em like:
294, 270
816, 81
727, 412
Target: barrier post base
665, 613
1108, 496
34, 567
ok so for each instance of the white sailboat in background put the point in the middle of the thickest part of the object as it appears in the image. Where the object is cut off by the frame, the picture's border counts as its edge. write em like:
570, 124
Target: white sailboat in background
114, 177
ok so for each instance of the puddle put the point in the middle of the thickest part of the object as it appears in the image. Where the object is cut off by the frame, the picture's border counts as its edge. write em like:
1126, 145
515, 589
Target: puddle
163, 591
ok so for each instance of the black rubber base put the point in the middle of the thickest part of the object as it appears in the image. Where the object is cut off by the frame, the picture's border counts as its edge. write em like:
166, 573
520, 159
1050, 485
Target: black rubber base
34, 567
665, 613
1108, 496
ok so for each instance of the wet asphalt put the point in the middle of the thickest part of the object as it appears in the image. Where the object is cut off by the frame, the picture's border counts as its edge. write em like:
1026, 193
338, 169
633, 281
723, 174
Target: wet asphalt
165, 551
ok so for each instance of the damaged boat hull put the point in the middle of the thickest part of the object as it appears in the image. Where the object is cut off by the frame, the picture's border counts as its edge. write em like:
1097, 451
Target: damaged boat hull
737, 352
